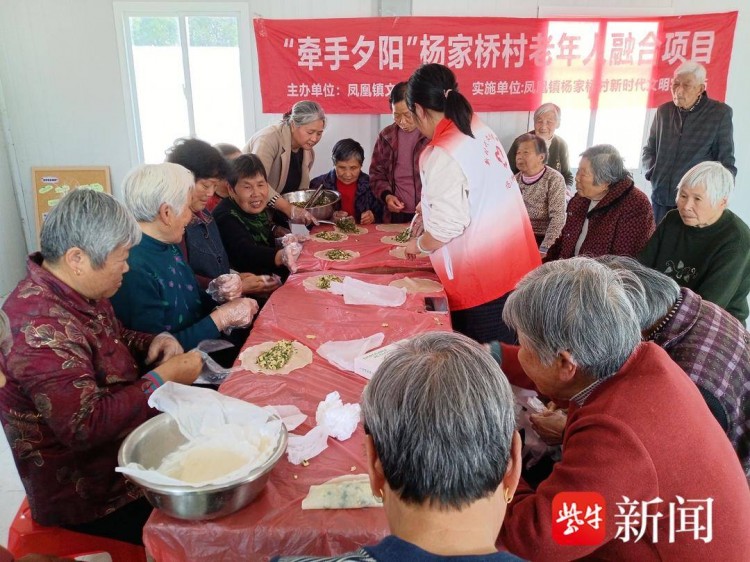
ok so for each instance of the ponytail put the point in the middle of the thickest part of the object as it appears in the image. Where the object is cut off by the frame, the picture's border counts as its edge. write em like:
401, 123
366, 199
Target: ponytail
434, 86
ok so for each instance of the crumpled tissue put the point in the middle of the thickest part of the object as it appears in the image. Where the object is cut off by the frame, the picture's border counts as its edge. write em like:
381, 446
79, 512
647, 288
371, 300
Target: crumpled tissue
343, 353
334, 419
291, 416
210, 422
360, 292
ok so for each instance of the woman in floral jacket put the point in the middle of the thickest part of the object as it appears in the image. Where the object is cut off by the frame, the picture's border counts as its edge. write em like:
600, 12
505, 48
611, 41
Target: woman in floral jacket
75, 377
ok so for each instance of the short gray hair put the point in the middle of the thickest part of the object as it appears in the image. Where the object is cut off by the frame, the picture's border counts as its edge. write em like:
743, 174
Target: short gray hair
440, 412
92, 221
718, 180
547, 108
606, 163
304, 112
148, 187
5, 336
690, 67
652, 293
575, 305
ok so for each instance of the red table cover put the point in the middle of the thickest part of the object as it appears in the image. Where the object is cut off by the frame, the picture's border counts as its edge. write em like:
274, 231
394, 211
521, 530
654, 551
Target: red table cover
374, 254
275, 523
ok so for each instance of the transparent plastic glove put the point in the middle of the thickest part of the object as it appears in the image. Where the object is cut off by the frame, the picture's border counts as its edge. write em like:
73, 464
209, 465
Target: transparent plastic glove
338, 215
238, 313
291, 238
417, 226
163, 347
259, 284
225, 287
291, 251
302, 215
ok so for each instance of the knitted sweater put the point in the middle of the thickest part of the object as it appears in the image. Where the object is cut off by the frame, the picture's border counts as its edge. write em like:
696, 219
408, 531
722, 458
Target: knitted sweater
713, 261
620, 224
545, 203
160, 293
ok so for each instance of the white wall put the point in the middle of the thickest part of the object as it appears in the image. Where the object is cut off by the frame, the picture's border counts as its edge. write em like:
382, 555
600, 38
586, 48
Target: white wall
60, 65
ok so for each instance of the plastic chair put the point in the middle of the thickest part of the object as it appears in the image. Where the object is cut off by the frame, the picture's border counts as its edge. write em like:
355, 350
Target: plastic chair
25, 537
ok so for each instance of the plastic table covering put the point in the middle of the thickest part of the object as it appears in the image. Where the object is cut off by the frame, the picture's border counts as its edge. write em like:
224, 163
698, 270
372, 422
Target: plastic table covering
275, 523
374, 256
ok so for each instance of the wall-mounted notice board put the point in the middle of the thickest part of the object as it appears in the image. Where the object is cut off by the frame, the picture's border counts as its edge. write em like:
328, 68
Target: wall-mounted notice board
51, 184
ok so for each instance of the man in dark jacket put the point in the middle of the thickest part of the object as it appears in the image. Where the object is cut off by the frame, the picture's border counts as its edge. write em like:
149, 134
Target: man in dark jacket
686, 131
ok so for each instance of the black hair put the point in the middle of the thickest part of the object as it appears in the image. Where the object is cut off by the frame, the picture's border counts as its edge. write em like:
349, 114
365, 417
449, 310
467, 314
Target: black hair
398, 93
434, 86
539, 144
346, 149
246, 166
226, 149
200, 158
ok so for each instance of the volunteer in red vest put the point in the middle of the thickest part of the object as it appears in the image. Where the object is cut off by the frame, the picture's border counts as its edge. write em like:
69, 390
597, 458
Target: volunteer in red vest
476, 229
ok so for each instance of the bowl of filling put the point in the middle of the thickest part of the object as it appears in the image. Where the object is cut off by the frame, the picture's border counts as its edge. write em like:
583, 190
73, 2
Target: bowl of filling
151, 443
325, 204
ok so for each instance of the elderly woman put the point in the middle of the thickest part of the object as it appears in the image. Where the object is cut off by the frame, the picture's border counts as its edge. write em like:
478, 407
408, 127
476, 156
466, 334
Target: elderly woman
421, 447
608, 214
286, 149
635, 422
248, 233
202, 244
160, 292
542, 189
470, 223
77, 381
347, 177
703, 245
546, 121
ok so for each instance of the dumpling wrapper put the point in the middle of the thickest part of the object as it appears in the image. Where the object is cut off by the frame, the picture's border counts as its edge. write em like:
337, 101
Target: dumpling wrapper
321, 255
360, 230
392, 240
315, 238
351, 491
417, 285
392, 227
207, 464
301, 357
311, 283
398, 252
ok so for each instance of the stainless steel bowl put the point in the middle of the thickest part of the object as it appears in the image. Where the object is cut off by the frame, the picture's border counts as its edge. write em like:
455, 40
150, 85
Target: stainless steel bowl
150, 442
320, 212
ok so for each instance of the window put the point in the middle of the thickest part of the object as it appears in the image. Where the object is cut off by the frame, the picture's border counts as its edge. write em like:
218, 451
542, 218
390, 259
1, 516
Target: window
184, 73
621, 116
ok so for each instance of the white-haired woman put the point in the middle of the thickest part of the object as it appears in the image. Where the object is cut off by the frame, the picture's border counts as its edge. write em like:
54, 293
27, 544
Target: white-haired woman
703, 245
442, 449
546, 122
286, 149
77, 381
160, 292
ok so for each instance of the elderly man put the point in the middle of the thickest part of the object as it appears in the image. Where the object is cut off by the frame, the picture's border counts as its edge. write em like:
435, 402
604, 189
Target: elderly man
703, 245
690, 129
638, 434
394, 170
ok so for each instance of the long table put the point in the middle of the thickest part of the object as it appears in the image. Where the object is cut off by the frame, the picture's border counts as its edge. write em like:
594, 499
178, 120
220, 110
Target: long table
275, 523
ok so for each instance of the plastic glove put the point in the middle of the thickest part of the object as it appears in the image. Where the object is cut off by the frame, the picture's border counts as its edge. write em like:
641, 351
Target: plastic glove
291, 238
417, 226
550, 425
259, 284
289, 256
163, 347
368, 217
225, 287
238, 313
338, 215
302, 215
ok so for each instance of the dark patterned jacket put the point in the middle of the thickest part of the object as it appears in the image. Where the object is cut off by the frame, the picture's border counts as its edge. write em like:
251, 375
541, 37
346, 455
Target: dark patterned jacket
73, 392
620, 224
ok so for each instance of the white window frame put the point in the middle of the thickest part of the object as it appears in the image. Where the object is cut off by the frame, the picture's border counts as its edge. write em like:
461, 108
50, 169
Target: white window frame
125, 10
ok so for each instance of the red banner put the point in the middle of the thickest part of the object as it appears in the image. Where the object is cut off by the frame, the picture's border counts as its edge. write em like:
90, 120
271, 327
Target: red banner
350, 65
